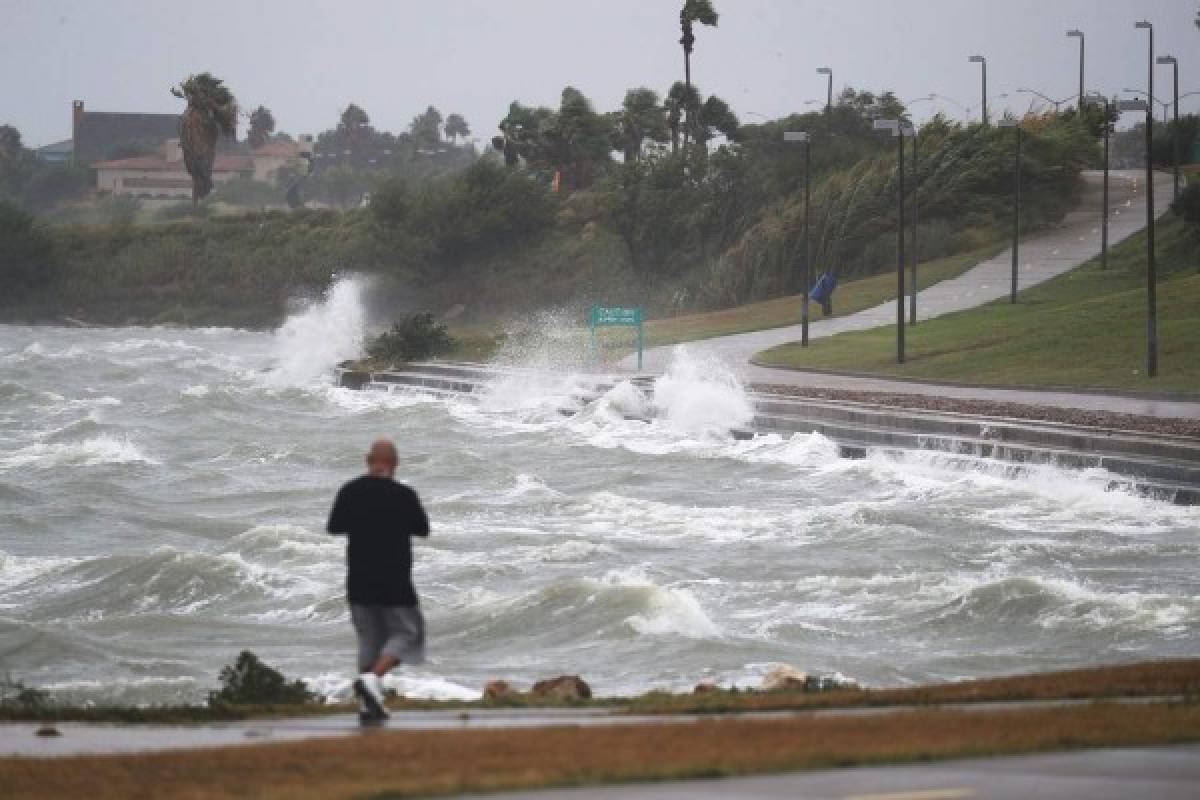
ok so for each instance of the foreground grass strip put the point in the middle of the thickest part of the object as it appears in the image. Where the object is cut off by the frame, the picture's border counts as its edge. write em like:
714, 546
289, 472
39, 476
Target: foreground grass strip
396, 765
1152, 679
850, 297
1084, 328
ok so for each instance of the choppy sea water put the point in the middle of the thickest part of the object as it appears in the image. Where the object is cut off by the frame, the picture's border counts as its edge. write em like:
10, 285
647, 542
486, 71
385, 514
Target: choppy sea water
163, 495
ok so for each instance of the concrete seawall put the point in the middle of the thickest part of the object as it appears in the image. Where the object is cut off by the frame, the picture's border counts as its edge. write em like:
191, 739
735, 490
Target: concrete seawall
1164, 467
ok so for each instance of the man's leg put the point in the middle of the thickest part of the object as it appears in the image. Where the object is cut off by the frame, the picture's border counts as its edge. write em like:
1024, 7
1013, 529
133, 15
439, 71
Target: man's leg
383, 665
372, 636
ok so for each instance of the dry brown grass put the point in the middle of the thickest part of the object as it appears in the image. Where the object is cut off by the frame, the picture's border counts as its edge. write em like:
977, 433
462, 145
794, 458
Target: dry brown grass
395, 764
1150, 679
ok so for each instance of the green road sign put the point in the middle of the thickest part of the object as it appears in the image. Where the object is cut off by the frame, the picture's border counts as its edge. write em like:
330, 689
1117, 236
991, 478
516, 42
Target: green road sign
617, 316
604, 315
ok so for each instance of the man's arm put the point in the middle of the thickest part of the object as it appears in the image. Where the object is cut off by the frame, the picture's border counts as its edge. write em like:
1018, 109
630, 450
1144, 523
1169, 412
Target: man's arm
339, 516
419, 520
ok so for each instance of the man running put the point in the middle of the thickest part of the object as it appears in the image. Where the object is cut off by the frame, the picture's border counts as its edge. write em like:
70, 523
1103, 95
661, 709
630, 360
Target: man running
378, 517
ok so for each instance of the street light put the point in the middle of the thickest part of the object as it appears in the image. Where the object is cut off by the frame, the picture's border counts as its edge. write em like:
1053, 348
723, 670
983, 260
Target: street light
1098, 98
1151, 276
1078, 34
1012, 122
977, 59
898, 131
829, 89
805, 139
1051, 100
1174, 133
911, 132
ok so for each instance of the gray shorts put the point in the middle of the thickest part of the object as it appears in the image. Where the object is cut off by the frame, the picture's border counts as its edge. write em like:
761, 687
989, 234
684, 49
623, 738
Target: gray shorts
396, 631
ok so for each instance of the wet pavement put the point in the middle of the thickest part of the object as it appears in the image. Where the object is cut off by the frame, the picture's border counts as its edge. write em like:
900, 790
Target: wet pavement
1161, 773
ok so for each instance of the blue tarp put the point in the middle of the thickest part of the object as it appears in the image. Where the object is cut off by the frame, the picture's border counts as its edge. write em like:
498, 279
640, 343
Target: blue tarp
824, 287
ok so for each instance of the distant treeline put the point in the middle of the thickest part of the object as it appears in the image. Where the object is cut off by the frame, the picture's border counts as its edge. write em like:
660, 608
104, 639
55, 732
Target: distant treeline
678, 210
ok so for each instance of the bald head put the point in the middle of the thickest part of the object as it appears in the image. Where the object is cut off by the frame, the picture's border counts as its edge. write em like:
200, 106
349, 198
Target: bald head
381, 459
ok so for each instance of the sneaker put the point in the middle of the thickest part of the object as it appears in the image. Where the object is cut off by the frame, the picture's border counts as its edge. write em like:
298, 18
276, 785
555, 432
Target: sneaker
369, 691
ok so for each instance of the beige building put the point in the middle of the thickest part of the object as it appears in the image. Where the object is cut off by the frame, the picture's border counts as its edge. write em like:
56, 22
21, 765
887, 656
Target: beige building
164, 175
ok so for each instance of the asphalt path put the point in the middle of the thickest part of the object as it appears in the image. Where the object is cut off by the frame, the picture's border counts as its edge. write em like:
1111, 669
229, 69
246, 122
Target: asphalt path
1158, 773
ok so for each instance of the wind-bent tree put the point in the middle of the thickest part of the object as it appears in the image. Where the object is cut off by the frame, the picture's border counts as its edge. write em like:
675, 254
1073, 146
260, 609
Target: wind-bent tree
641, 118
426, 128
715, 117
682, 103
211, 111
262, 125
693, 11
521, 134
456, 126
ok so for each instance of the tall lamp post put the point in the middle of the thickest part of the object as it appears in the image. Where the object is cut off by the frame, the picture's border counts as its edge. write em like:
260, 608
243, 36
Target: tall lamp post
1151, 275
1175, 133
911, 132
1075, 33
804, 138
1012, 122
1097, 98
828, 88
898, 130
977, 59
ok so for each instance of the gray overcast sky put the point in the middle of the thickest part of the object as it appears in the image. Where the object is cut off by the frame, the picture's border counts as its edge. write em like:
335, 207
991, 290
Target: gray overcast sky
306, 60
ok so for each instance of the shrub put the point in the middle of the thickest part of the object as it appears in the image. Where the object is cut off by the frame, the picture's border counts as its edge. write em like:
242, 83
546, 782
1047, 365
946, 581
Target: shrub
251, 682
390, 202
27, 254
412, 338
184, 210
247, 192
482, 209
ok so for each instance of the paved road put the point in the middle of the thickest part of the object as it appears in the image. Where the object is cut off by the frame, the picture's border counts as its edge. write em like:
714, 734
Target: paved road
1162, 773
1042, 257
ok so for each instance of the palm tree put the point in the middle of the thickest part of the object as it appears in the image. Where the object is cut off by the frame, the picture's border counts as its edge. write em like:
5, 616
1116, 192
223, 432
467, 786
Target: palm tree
693, 11
262, 125
682, 103
456, 126
640, 118
211, 111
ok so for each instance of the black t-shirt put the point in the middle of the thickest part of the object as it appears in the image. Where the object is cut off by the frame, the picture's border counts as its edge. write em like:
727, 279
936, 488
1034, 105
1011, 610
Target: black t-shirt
378, 515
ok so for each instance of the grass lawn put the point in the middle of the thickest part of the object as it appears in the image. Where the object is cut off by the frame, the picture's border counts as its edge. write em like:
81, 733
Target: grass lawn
480, 343
849, 298
1085, 328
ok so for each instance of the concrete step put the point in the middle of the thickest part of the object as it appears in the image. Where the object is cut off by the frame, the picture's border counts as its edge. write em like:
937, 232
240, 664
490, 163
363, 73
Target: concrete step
1164, 467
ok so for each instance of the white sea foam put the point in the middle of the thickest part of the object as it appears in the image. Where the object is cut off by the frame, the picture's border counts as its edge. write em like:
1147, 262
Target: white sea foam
312, 342
336, 687
94, 451
699, 394
665, 610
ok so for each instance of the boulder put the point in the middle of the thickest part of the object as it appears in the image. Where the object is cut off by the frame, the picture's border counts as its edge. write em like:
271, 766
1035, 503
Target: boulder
564, 687
784, 677
499, 690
